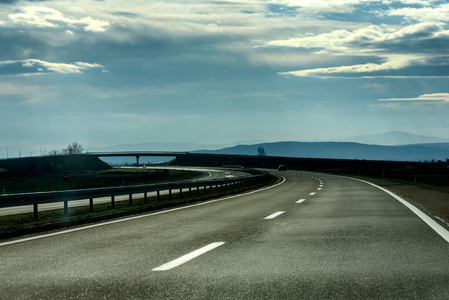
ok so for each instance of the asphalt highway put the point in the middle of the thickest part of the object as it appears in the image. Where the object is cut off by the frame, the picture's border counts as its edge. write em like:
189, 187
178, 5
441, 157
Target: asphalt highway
206, 174
312, 236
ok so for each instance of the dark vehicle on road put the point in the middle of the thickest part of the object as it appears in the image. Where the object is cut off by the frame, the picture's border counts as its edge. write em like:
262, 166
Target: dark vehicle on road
282, 168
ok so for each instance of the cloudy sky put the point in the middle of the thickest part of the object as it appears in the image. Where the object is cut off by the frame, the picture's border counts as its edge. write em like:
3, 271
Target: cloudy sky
114, 71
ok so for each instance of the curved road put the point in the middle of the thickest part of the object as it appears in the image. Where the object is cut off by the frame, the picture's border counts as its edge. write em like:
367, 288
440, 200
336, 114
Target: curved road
314, 236
206, 174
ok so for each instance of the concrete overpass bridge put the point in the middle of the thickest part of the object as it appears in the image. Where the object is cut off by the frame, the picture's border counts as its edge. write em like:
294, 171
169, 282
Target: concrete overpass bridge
137, 154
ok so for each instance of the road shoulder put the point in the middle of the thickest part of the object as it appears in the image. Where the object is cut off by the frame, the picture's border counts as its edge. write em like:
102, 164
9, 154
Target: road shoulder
433, 201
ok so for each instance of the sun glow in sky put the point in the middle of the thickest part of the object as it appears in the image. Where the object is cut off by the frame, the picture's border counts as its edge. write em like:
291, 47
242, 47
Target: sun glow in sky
114, 72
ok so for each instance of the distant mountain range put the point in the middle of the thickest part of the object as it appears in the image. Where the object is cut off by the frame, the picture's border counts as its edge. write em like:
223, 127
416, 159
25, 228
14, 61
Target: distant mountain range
394, 138
343, 150
168, 146
392, 145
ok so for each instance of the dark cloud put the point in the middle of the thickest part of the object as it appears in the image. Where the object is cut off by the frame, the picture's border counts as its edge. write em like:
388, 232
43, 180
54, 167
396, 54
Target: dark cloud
190, 62
421, 38
125, 14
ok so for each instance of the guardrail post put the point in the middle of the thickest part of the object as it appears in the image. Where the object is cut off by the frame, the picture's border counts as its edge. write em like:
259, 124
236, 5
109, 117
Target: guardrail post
35, 216
145, 197
169, 194
208, 186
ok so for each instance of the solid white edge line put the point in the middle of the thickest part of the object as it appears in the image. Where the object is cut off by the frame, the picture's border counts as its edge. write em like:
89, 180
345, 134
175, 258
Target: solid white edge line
210, 175
443, 232
136, 217
185, 258
272, 216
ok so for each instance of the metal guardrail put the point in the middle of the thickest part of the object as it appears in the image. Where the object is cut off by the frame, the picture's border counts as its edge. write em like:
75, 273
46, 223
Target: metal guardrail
23, 199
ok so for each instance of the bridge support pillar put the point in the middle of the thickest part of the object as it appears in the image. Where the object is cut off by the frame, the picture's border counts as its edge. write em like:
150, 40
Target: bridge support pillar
137, 158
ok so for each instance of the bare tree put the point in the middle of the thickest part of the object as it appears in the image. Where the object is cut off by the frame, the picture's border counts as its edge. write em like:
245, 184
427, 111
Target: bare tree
261, 151
53, 153
73, 148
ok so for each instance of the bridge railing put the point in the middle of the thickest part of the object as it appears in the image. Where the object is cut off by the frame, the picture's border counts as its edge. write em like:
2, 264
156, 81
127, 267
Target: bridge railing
36, 199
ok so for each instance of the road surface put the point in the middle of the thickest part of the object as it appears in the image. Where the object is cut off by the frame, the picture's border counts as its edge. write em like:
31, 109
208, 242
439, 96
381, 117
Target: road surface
206, 174
313, 236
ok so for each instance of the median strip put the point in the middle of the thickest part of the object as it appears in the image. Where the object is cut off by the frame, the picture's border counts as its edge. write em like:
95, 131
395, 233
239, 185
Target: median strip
185, 258
140, 216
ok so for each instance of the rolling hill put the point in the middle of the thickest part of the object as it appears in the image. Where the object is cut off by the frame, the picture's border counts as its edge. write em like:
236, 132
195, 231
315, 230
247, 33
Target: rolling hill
341, 150
394, 138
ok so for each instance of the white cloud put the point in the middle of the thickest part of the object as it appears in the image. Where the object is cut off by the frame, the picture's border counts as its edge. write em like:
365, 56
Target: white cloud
64, 67
438, 97
94, 25
343, 6
51, 18
85, 65
366, 40
27, 64
232, 29
398, 48
393, 63
38, 16
410, 2
423, 14
41, 65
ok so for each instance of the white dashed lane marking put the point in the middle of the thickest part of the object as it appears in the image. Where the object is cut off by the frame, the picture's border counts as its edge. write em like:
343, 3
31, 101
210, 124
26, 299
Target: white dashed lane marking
183, 259
272, 216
